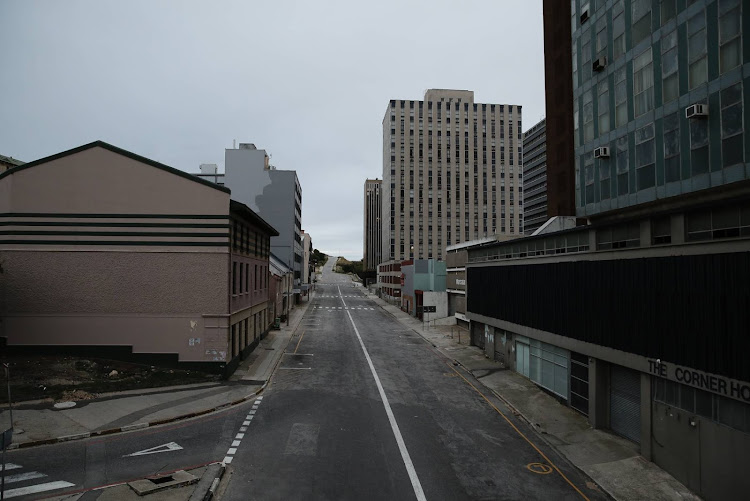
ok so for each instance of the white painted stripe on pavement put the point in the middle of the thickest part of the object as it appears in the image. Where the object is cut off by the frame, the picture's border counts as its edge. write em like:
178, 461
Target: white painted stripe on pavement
228, 459
23, 476
240, 436
236, 443
232, 451
252, 411
33, 489
245, 423
259, 398
416, 485
244, 428
12, 466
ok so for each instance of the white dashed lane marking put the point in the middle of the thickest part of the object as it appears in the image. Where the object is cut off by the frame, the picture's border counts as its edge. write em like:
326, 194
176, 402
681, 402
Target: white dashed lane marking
238, 438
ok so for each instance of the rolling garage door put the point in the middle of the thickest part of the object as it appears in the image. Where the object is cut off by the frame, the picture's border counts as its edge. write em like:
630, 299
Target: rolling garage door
625, 403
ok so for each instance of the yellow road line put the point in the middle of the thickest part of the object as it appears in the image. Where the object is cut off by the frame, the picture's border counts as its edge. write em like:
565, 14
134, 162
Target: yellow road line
300, 340
521, 433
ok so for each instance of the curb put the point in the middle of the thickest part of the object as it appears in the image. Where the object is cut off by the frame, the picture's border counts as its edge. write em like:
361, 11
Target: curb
211, 492
136, 426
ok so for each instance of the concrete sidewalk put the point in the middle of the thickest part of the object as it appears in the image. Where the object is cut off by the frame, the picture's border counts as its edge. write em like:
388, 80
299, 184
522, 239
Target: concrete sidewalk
612, 462
37, 423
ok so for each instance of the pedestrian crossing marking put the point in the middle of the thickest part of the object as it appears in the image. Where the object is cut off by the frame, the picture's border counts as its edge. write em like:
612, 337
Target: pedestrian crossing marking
32, 488
332, 308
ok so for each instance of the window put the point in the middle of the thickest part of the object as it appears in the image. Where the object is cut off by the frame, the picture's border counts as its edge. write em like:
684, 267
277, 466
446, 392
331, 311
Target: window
588, 170
641, 11
604, 178
601, 37
586, 55
588, 116
661, 230
670, 83
575, 128
672, 147
721, 222
730, 29
618, 32
668, 10
698, 67
699, 145
621, 164
621, 98
731, 125
603, 107
575, 71
643, 83
644, 157
234, 278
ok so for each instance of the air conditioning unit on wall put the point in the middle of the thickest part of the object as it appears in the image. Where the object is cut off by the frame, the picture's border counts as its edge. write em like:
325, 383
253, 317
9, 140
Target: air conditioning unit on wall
600, 63
696, 111
601, 152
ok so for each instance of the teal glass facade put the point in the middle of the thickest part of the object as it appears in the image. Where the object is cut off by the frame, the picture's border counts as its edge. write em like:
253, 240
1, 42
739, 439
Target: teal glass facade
637, 66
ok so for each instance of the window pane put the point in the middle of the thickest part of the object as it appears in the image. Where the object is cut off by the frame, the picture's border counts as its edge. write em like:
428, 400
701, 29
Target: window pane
646, 177
669, 62
729, 25
697, 73
731, 120
641, 29
699, 160
668, 10
672, 168
671, 143
731, 151
698, 133
671, 88
697, 45
729, 55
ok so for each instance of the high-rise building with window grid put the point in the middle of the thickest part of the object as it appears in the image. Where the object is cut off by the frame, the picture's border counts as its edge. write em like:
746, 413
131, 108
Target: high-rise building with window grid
373, 232
452, 172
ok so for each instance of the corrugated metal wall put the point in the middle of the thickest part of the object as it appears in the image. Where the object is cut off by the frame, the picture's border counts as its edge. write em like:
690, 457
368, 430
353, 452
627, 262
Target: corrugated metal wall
688, 310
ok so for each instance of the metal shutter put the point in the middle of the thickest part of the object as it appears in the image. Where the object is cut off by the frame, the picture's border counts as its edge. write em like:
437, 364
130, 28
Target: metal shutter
477, 334
625, 403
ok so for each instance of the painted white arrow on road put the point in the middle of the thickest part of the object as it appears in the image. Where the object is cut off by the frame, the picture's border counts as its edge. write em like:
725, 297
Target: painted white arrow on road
171, 446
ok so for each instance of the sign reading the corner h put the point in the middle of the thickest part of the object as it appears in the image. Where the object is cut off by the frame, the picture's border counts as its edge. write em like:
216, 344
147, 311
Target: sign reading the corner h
709, 382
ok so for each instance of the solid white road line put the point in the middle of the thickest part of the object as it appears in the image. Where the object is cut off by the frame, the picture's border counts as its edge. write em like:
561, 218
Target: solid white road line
11, 466
23, 476
33, 489
416, 485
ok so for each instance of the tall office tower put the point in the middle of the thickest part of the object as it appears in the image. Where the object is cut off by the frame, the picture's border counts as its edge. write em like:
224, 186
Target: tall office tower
275, 195
451, 173
535, 177
373, 230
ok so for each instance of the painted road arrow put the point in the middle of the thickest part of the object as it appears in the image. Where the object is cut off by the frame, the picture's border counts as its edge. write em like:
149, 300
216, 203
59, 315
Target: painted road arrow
171, 446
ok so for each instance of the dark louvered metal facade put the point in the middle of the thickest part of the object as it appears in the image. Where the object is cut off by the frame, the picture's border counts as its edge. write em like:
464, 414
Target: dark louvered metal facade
690, 310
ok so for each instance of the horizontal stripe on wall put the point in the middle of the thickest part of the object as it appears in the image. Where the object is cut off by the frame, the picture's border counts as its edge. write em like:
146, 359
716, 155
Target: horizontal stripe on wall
177, 243
692, 311
112, 233
114, 224
115, 216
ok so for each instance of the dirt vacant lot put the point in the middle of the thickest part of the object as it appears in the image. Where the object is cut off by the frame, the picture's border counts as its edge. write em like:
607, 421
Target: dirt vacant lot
62, 378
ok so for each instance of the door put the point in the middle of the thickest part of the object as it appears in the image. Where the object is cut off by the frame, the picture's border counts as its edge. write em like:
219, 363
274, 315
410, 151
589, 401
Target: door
522, 358
625, 403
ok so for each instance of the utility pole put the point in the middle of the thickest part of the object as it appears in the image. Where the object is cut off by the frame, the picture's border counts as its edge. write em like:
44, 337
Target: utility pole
7, 434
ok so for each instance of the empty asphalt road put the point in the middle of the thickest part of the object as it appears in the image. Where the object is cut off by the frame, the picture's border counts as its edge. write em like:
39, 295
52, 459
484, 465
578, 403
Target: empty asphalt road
361, 407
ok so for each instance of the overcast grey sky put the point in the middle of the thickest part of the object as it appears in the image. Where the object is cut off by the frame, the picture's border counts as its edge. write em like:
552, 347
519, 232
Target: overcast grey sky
308, 81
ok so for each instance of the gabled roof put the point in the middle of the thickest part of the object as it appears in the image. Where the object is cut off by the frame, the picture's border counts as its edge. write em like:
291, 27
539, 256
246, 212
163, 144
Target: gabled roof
243, 209
277, 265
120, 151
